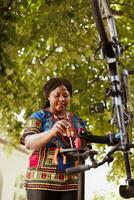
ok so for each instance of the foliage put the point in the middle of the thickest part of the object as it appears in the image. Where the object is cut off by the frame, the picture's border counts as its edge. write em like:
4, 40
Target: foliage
43, 39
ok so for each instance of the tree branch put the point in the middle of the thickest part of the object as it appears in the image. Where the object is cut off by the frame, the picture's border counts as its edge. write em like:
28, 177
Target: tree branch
125, 48
46, 57
5, 8
2, 10
91, 82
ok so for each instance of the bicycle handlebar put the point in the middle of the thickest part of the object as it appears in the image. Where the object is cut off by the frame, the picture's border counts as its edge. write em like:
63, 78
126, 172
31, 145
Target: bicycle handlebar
78, 169
82, 168
109, 139
107, 158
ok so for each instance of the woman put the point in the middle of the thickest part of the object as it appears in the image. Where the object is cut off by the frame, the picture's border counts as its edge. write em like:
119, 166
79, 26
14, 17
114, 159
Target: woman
46, 132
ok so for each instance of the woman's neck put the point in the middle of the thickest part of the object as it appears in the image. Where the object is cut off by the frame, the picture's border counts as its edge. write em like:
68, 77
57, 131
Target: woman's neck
59, 115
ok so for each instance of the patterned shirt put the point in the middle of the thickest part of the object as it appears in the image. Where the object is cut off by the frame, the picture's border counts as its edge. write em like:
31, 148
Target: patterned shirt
43, 172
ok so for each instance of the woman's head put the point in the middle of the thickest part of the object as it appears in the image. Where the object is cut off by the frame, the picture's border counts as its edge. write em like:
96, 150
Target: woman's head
58, 92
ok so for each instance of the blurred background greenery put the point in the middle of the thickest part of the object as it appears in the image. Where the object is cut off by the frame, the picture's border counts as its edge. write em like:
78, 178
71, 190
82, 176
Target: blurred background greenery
41, 39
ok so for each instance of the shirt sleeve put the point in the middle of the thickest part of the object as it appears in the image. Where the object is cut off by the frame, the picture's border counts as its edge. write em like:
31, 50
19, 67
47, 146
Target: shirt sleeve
32, 126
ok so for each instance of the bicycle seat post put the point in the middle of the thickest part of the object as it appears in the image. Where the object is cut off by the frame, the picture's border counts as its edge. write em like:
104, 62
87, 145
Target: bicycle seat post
81, 182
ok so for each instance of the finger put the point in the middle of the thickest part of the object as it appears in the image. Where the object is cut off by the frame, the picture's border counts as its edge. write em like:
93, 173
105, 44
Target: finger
63, 123
61, 128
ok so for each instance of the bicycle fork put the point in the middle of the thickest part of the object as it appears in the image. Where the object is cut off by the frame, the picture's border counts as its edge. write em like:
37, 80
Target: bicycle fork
124, 142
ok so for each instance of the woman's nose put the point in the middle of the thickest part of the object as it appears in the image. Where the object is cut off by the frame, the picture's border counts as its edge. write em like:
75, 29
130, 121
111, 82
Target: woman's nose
61, 98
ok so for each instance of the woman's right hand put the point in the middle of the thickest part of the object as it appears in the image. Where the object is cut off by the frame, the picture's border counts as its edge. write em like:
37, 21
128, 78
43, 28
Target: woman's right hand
59, 127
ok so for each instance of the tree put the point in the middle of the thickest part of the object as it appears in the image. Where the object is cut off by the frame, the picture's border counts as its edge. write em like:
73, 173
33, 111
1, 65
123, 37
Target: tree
43, 39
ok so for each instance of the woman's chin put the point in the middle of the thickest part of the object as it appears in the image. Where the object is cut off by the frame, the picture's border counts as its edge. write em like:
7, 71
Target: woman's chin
61, 109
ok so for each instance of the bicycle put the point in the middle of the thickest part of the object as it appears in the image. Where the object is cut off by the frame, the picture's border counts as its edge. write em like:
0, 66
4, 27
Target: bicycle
121, 116
111, 51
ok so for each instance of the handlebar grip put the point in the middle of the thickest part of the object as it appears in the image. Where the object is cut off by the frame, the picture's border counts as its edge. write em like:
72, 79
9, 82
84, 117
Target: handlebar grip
77, 169
94, 138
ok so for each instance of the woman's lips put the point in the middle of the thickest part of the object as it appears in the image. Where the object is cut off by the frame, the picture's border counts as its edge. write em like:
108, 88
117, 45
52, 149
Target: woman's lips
61, 104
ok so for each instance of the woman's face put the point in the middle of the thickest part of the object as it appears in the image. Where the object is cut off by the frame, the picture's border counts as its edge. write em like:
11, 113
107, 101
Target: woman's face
59, 99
